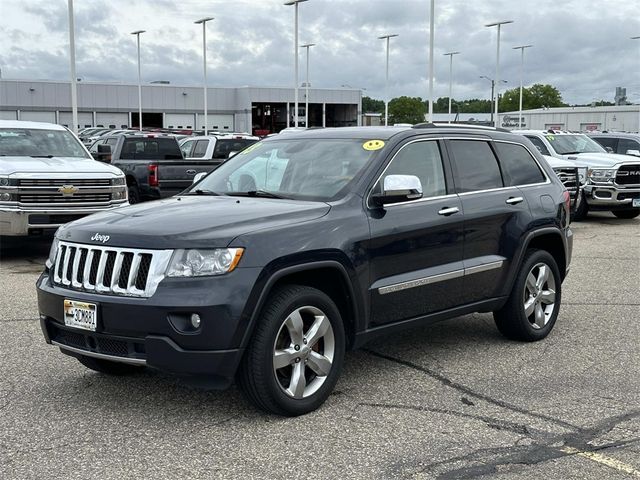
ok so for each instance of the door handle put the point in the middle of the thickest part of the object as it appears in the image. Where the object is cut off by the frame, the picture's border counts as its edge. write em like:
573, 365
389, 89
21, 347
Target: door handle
191, 172
514, 200
448, 211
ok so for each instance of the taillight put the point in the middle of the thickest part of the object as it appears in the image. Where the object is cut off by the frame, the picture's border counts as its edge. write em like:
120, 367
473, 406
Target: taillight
153, 175
567, 202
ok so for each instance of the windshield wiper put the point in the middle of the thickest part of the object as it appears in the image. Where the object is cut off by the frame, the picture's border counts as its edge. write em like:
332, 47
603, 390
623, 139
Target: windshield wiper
200, 191
41, 156
256, 193
570, 153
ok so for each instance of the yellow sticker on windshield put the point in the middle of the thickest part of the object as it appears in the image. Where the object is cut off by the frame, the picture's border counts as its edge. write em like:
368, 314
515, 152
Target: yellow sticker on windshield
249, 148
373, 145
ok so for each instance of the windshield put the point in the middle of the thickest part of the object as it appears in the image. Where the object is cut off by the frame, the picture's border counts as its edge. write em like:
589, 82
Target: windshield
28, 142
568, 144
305, 169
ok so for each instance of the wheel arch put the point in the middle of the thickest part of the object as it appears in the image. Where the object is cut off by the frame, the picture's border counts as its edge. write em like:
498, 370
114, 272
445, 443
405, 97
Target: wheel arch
329, 276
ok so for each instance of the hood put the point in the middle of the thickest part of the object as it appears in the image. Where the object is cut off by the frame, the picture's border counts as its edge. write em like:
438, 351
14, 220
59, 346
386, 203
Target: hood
56, 165
599, 159
562, 163
189, 221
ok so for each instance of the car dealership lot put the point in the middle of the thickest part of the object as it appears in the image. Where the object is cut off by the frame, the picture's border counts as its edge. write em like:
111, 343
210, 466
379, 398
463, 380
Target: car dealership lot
452, 401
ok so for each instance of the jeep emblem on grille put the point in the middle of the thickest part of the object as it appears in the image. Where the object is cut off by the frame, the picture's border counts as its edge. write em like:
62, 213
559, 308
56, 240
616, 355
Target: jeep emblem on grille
68, 190
100, 238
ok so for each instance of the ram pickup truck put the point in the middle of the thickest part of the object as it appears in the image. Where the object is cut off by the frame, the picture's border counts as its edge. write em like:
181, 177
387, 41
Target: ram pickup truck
48, 178
613, 181
152, 163
302, 246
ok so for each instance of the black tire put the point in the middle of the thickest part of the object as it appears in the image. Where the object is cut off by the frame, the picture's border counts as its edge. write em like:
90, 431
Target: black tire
511, 319
108, 367
257, 376
134, 194
582, 209
627, 214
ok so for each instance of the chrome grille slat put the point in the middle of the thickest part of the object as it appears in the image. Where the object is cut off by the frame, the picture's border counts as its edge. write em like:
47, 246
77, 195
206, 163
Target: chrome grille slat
47, 182
103, 266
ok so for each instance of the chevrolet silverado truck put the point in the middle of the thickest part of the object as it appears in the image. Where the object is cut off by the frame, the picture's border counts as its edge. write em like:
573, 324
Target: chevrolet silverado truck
152, 163
48, 178
612, 180
302, 246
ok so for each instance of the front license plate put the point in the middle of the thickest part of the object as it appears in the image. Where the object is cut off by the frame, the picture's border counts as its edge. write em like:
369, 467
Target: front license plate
636, 202
80, 315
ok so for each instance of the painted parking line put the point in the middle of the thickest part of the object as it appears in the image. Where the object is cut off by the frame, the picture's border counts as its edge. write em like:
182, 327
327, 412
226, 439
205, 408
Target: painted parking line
604, 460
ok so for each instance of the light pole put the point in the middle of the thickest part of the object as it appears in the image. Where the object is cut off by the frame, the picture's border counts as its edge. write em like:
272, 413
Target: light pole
306, 85
493, 84
72, 62
450, 54
497, 80
386, 85
637, 38
431, 40
295, 56
137, 33
521, 48
204, 21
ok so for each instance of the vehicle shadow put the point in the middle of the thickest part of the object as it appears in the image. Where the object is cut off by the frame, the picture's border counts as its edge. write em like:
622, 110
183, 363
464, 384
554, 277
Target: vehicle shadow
29, 248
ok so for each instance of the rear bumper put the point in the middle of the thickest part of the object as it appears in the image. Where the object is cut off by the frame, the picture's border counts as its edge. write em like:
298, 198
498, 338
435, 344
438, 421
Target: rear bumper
22, 222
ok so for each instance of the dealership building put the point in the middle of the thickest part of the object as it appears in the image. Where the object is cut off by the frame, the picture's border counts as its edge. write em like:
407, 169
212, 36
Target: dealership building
115, 105
620, 118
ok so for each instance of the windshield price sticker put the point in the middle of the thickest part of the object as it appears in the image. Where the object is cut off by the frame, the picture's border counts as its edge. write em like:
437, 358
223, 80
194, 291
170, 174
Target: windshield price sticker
373, 145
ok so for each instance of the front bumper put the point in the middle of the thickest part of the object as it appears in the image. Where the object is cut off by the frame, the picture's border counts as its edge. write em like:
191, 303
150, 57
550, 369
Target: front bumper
156, 331
610, 197
20, 222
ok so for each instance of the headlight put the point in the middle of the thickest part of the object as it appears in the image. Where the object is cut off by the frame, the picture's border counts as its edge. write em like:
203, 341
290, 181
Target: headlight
51, 261
4, 181
119, 194
118, 181
198, 263
600, 174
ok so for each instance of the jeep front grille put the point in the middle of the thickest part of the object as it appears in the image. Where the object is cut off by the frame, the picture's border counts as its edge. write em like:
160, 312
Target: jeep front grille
628, 175
110, 270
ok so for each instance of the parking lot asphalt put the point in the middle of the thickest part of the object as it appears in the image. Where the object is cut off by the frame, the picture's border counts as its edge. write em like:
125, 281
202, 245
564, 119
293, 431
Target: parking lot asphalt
453, 401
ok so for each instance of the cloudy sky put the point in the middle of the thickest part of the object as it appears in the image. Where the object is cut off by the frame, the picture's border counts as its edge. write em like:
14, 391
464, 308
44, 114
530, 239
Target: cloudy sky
581, 46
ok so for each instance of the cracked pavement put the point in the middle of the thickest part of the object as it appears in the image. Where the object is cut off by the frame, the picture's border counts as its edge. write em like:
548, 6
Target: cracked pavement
452, 401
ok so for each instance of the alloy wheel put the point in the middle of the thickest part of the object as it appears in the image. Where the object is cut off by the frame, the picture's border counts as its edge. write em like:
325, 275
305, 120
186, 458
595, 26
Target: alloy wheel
539, 295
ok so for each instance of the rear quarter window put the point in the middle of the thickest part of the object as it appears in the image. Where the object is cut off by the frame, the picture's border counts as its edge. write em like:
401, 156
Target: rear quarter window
518, 166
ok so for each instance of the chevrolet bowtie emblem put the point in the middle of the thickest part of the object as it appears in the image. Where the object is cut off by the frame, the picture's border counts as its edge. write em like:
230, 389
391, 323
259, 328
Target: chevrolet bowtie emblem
68, 190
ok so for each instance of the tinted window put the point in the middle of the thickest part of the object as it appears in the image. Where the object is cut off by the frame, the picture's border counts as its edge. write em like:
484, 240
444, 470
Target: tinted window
476, 164
423, 160
225, 146
627, 144
200, 148
539, 144
518, 166
612, 143
111, 141
152, 148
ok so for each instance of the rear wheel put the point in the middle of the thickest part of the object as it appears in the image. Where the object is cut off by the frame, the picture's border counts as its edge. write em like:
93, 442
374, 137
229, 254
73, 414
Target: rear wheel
108, 367
134, 194
627, 214
296, 353
532, 308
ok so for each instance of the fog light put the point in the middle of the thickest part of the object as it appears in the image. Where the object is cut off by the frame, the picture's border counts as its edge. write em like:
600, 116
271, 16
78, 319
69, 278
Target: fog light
5, 197
195, 320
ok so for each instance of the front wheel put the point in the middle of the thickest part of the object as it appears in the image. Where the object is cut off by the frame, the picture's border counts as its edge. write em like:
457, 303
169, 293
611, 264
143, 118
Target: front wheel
627, 214
296, 353
533, 305
134, 194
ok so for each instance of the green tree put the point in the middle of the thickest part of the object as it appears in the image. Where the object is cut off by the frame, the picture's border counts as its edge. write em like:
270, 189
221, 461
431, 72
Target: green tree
407, 110
536, 96
371, 105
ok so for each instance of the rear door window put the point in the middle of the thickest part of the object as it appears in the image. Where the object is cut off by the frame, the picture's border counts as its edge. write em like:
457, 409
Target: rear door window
518, 166
226, 146
200, 149
476, 165
625, 144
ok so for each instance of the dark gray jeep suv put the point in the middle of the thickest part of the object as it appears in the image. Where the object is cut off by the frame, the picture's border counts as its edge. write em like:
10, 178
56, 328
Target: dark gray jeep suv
303, 246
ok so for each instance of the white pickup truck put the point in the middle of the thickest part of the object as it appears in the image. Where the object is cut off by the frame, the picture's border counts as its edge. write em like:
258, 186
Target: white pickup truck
48, 178
612, 180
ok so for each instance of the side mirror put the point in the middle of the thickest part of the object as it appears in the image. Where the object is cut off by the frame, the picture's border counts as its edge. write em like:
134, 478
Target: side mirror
635, 153
199, 176
609, 149
398, 188
103, 154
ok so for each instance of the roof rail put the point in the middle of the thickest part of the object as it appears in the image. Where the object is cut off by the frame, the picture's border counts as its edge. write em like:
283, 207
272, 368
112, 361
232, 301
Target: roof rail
424, 125
459, 125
